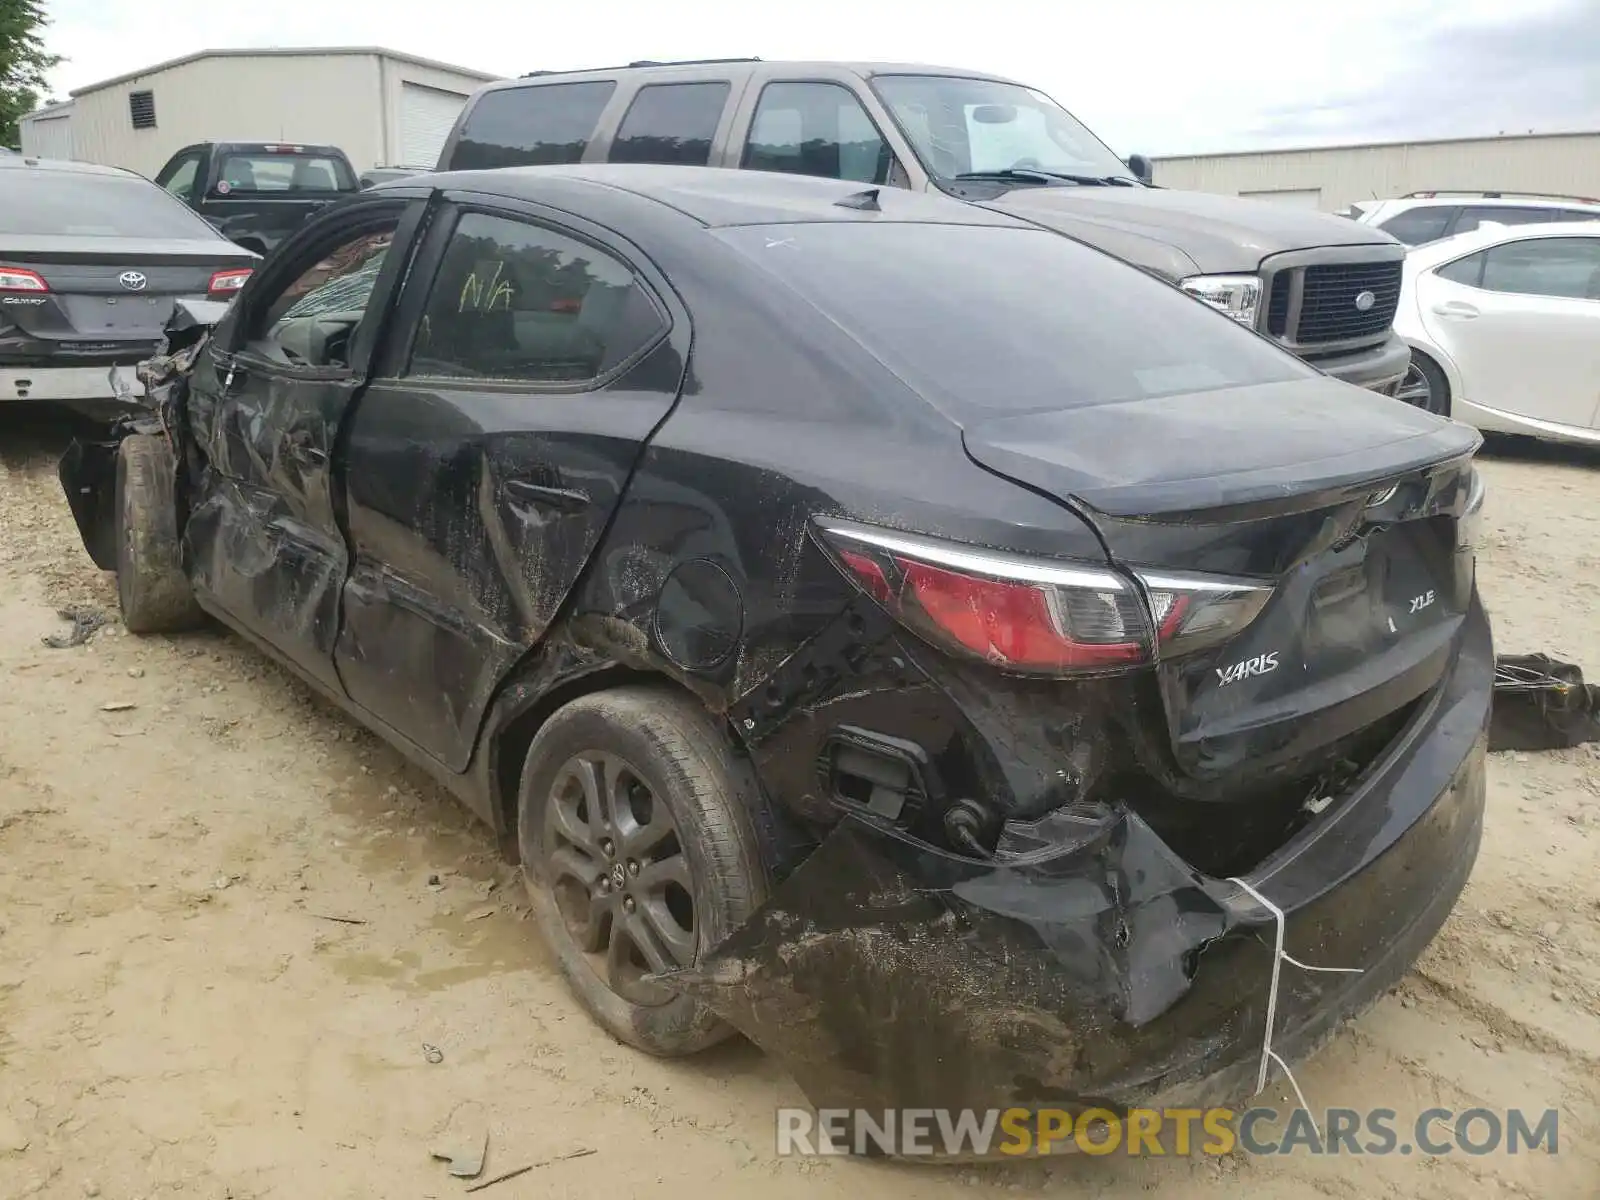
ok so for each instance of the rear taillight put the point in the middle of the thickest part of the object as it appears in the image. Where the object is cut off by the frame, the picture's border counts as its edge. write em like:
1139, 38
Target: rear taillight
1196, 611
225, 283
1038, 616
16, 279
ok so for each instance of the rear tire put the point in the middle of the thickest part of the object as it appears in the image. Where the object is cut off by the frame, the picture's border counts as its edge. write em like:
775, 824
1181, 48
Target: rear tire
664, 867
152, 589
1425, 386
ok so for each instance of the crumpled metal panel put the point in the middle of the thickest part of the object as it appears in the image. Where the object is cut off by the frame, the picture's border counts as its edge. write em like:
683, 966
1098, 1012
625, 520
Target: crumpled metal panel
1099, 969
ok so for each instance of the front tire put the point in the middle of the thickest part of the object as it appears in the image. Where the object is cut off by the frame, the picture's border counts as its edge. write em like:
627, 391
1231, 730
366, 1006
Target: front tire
634, 827
152, 589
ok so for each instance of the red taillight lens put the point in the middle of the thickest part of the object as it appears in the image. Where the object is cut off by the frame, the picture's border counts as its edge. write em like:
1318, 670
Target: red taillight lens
1013, 623
16, 279
1196, 611
225, 283
1022, 615
1038, 616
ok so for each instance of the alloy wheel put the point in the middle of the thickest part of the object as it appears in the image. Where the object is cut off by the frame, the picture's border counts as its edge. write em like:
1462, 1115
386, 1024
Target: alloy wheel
1415, 389
616, 867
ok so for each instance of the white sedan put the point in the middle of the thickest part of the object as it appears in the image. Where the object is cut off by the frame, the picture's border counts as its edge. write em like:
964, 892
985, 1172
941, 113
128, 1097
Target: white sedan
1504, 328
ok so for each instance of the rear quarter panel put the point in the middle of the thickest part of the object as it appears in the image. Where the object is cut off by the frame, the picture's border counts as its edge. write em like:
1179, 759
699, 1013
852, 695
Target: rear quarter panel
709, 572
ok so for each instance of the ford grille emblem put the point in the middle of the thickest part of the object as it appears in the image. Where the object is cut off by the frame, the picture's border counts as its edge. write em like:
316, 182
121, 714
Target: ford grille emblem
134, 281
1365, 301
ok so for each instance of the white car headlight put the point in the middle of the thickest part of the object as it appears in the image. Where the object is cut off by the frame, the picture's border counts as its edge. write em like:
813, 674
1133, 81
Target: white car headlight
1237, 295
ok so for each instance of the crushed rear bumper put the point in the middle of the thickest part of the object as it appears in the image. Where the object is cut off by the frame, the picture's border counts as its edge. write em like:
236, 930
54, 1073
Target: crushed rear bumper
106, 387
884, 974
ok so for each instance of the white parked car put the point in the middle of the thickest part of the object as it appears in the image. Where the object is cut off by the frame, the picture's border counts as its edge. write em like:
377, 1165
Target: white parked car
1422, 217
1504, 329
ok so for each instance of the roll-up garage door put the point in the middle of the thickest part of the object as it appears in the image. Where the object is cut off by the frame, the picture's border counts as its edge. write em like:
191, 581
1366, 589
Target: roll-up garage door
426, 115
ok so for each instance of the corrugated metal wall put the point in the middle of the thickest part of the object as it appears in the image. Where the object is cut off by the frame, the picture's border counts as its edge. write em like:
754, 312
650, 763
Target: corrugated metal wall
348, 100
1567, 164
48, 132
327, 99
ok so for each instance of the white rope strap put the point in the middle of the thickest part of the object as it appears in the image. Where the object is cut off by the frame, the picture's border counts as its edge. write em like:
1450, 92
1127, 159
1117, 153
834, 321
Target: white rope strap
1279, 957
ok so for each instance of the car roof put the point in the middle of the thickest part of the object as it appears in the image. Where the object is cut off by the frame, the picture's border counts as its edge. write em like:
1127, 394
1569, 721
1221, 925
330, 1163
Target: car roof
267, 144
1479, 200
1490, 234
717, 196
63, 166
865, 69
1566, 229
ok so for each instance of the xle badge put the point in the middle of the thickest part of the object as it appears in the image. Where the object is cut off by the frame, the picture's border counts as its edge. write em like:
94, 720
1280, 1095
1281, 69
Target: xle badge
1261, 664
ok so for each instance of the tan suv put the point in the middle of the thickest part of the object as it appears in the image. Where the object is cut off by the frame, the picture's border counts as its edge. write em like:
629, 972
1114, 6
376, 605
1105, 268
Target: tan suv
1323, 287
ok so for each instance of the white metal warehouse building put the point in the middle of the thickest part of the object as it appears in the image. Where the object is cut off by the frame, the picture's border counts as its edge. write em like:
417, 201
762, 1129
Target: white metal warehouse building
380, 107
1332, 178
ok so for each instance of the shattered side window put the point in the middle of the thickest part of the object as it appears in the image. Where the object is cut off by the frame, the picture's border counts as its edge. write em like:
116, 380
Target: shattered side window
313, 322
522, 303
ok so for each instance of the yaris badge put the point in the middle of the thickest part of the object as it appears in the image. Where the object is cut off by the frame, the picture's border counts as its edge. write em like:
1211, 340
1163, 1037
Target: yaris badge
134, 281
1365, 301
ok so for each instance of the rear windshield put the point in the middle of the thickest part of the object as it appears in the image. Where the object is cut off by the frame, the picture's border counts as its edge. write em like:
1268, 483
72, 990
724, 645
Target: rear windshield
1011, 320
263, 171
530, 126
73, 204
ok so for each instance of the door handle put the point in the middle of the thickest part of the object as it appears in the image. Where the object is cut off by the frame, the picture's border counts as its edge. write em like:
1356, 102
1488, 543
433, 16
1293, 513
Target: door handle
561, 500
1455, 308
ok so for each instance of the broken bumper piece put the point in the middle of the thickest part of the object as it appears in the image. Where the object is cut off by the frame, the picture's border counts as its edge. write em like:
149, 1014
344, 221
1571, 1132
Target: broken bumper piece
886, 975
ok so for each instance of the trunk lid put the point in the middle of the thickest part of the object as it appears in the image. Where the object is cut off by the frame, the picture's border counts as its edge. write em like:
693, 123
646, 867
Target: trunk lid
114, 298
1345, 502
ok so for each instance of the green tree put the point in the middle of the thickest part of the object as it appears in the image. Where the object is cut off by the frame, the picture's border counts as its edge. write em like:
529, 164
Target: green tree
23, 63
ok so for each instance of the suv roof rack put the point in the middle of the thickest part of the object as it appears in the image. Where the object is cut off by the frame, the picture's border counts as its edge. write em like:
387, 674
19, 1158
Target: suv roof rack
1497, 195
645, 62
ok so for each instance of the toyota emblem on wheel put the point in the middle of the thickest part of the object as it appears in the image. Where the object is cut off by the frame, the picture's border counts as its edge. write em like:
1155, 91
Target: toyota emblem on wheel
134, 281
1365, 301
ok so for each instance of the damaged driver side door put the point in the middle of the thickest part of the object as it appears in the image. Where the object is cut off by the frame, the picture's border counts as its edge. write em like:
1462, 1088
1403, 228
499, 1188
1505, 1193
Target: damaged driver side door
266, 406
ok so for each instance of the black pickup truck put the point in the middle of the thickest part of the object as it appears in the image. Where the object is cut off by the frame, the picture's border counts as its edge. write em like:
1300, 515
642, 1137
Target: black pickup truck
257, 193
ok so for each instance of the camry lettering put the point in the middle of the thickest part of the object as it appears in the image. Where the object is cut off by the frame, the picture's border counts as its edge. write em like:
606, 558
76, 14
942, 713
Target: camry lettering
1261, 664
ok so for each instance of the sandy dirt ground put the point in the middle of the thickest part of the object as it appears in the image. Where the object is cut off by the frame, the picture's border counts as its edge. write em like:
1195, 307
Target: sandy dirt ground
231, 922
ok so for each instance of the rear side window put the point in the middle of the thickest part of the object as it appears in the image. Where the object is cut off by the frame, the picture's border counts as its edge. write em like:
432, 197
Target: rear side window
275, 172
1475, 215
74, 204
1011, 320
1418, 225
531, 126
671, 123
1468, 270
816, 129
519, 302
1578, 214
1568, 268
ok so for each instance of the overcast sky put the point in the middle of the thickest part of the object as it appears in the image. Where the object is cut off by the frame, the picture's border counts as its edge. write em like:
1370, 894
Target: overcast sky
1156, 76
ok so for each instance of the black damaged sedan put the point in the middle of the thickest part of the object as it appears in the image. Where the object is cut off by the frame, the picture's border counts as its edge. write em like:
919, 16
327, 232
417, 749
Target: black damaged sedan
927, 645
